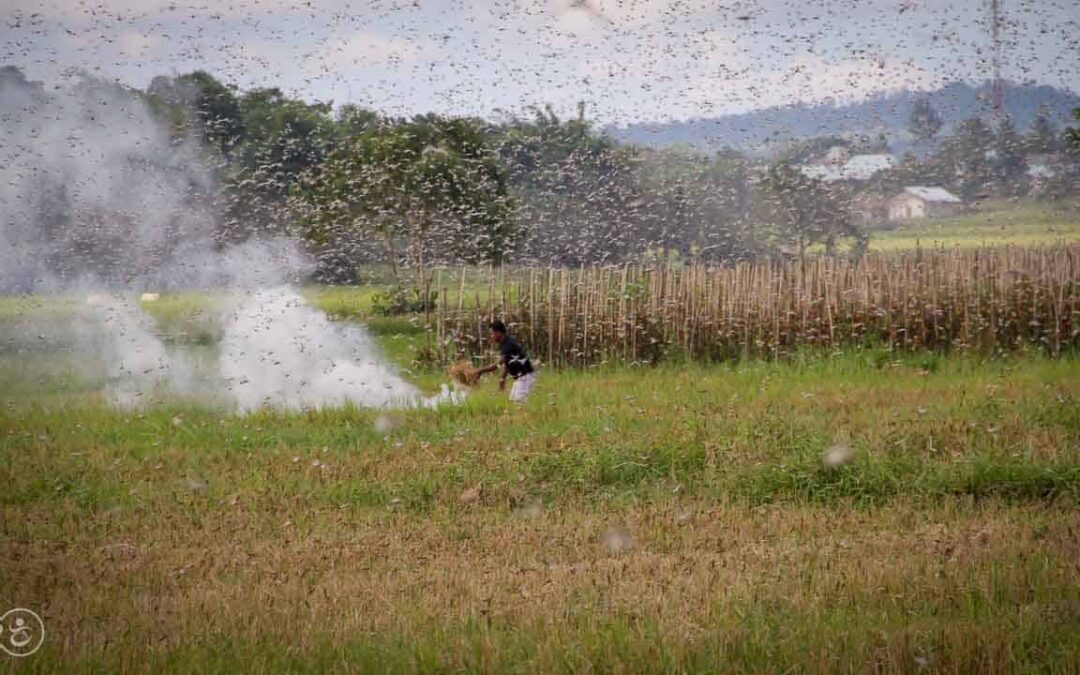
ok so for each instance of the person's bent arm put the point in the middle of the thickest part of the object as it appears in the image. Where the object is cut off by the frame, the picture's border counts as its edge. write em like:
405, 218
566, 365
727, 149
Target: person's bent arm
492, 368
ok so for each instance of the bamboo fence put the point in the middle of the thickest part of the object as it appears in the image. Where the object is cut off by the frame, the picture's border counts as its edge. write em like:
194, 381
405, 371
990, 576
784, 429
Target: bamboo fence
979, 299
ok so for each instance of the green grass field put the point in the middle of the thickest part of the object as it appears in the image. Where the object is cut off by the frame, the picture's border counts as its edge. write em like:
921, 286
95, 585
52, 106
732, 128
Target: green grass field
996, 223
677, 519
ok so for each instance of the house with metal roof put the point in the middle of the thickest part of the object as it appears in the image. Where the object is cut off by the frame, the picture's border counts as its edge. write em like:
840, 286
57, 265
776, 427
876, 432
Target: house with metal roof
918, 201
855, 167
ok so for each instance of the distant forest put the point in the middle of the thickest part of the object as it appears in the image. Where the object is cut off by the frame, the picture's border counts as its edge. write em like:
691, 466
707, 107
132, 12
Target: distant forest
360, 187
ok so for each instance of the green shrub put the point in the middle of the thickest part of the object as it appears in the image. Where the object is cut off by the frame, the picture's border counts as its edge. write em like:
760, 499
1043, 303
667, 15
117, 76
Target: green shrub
403, 300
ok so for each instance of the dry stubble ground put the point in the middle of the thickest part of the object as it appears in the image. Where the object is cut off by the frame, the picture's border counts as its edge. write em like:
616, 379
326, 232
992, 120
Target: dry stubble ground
674, 519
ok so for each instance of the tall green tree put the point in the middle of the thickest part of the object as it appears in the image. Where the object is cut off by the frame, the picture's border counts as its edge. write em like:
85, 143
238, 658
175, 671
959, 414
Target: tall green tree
924, 122
428, 189
967, 158
1068, 179
283, 138
1008, 158
1043, 137
352, 121
803, 211
211, 107
1072, 134
695, 204
577, 190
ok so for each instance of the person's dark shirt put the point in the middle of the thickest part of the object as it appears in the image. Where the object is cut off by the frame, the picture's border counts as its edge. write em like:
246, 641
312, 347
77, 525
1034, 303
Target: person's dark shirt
514, 356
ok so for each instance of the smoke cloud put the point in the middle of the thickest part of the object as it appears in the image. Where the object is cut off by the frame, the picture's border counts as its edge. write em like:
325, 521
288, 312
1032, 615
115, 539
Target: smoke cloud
138, 367
278, 351
95, 190
100, 201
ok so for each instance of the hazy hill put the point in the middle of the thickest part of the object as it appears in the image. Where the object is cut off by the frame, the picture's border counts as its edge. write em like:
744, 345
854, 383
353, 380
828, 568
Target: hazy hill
888, 114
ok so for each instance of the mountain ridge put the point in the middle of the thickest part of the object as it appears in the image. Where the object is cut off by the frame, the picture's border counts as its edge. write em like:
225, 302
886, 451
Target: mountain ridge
762, 130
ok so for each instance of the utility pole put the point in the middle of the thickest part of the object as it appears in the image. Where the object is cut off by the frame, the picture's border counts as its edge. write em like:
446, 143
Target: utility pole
997, 86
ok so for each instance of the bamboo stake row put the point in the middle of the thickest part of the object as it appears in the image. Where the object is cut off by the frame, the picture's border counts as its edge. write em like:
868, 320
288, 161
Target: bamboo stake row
986, 299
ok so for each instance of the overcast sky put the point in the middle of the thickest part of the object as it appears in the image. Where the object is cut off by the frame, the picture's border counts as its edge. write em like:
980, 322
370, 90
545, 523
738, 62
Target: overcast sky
629, 60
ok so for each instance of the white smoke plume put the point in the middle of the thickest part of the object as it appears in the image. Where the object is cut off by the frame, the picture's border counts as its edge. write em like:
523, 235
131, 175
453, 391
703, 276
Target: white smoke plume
279, 352
138, 366
95, 190
99, 200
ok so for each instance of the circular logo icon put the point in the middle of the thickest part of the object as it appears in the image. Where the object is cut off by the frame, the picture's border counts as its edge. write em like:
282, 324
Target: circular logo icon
21, 632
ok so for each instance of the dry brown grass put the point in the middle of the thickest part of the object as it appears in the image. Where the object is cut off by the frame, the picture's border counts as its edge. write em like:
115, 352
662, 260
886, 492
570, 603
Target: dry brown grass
307, 577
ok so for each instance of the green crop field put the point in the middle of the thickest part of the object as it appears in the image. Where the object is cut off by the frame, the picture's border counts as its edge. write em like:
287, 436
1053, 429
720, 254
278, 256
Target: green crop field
678, 518
995, 223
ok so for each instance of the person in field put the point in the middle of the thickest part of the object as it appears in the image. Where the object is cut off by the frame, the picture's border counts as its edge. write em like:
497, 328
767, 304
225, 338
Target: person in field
514, 363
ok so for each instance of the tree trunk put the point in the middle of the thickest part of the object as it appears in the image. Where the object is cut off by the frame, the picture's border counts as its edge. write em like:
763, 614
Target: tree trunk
392, 254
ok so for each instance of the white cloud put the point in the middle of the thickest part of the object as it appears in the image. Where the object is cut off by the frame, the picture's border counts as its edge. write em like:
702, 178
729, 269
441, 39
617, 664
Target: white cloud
723, 48
136, 44
628, 13
365, 49
631, 59
813, 79
76, 10
711, 54
807, 79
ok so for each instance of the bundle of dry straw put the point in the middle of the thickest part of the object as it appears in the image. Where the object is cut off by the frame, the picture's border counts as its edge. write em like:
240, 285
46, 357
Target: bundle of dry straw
463, 373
